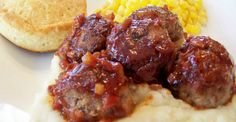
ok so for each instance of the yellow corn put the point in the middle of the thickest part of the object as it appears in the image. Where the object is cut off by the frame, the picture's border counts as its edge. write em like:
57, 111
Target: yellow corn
191, 13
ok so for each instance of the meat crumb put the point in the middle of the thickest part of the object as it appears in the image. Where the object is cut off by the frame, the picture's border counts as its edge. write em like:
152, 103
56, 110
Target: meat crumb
99, 88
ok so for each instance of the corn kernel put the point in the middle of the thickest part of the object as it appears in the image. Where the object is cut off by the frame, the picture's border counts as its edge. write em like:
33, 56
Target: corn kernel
123, 2
144, 3
127, 12
171, 3
193, 29
121, 10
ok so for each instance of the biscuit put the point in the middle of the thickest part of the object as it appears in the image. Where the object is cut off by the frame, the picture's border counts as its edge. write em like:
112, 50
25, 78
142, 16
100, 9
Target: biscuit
38, 25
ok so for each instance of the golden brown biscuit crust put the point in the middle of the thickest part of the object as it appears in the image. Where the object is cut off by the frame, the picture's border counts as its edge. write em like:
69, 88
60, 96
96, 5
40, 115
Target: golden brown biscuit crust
38, 25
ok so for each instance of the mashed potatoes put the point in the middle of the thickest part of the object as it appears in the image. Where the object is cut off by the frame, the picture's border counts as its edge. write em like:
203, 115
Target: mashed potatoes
159, 106
191, 13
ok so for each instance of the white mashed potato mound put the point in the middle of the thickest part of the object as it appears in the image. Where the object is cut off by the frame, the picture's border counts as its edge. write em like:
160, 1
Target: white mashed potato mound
159, 106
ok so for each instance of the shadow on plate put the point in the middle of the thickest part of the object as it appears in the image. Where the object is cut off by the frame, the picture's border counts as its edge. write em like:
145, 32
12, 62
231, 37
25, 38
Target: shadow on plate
31, 60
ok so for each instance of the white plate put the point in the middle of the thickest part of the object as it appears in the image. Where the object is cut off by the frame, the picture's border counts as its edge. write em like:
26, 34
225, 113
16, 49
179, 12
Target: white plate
22, 73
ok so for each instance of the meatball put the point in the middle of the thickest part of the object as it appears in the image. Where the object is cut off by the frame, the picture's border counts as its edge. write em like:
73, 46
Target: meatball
89, 35
203, 74
94, 90
143, 47
168, 19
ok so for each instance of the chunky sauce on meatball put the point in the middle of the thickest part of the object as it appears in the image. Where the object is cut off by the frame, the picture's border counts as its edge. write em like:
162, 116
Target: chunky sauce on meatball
143, 47
94, 90
89, 35
167, 19
203, 74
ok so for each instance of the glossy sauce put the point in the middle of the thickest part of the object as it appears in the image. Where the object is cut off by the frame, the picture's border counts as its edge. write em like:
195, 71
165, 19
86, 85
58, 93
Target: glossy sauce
88, 35
95, 76
143, 47
203, 75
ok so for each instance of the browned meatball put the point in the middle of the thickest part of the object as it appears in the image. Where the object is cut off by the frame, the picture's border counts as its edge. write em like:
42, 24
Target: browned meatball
203, 74
167, 18
94, 90
143, 47
89, 35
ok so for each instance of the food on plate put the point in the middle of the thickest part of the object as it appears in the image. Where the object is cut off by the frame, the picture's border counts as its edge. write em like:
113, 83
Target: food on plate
191, 13
203, 74
38, 25
135, 71
89, 35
